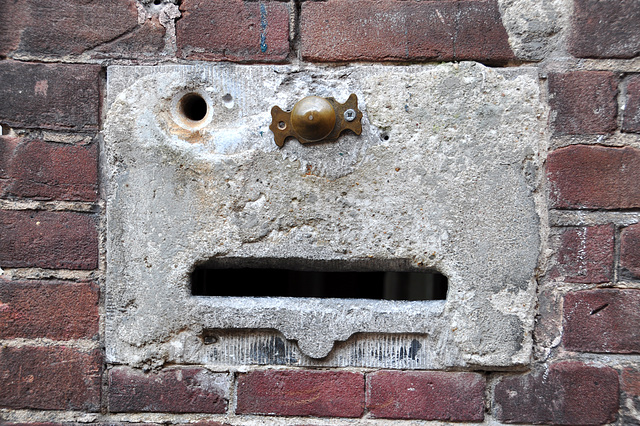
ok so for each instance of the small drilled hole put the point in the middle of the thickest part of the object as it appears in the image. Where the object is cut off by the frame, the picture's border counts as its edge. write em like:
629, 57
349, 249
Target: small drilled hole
282, 125
157, 2
384, 136
193, 107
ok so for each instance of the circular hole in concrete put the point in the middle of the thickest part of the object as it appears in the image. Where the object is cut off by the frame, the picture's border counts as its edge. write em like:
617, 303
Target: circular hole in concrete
384, 136
193, 107
228, 100
157, 2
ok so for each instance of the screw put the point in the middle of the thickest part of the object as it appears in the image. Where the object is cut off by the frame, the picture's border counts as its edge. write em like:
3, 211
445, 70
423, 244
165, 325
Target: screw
349, 115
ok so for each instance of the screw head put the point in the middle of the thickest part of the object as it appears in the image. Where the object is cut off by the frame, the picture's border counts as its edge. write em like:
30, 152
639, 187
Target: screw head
349, 115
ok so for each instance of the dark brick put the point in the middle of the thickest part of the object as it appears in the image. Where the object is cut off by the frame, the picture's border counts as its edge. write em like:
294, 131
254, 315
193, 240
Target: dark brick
66, 240
604, 320
48, 171
630, 251
50, 378
301, 393
146, 41
50, 96
605, 29
444, 396
233, 30
389, 30
59, 28
12, 17
585, 255
594, 177
172, 390
583, 102
480, 35
630, 381
631, 113
565, 393
53, 309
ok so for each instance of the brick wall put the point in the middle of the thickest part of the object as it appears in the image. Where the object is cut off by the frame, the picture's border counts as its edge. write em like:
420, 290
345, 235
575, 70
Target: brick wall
53, 56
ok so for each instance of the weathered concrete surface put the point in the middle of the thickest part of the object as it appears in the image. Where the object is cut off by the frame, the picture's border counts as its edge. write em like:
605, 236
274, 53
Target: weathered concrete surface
443, 177
537, 29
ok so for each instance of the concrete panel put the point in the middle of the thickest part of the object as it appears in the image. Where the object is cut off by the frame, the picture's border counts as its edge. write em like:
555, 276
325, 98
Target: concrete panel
445, 177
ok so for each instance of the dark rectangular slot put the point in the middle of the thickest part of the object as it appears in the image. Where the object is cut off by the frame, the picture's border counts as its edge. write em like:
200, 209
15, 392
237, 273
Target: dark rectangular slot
269, 282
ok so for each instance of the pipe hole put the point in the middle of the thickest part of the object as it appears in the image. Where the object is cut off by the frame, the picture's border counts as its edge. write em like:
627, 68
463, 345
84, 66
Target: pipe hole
193, 107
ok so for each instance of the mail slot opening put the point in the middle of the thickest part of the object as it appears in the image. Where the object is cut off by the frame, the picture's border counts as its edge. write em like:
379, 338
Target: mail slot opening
272, 282
193, 106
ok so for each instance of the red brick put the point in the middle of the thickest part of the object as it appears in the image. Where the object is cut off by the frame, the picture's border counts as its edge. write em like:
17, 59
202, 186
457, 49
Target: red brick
301, 393
630, 251
565, 393
630, 381
585, 255
233, 30
48, 171
50, 378
172, 390
594, 177
12, 17
53, 309
55, 28
389, 30
38, 95
146, 41
604, 320
443, 396
583, 102
605, 29
631, 113
65, 240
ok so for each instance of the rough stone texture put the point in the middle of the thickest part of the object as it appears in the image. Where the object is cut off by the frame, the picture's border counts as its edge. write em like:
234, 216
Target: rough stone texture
565, 393
50, 378
456, 397
583, 102
46, 171
53, 309
606, 320
48, 240
441, 178
605, 29
61, 28
301, 393
536, 29
594, 177
584, 255
631, 113
172, 390
630, 251
233, 30
387, 30
37, 96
